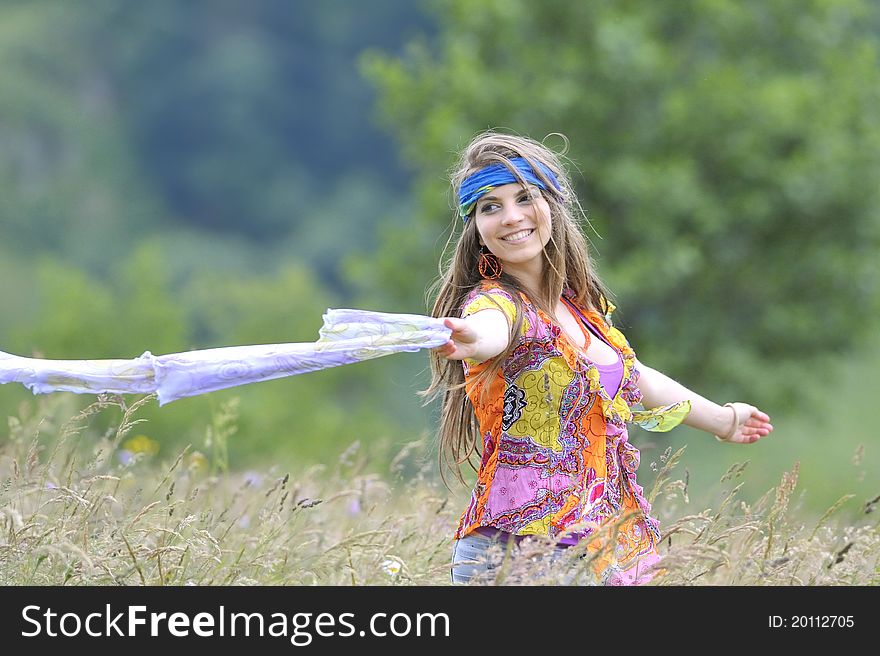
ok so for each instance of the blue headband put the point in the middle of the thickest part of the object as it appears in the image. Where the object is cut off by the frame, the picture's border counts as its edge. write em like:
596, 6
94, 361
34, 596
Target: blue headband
477, 184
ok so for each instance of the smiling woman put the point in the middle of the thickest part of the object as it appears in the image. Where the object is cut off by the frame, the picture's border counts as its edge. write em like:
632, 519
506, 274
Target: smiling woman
514, 224
538, 383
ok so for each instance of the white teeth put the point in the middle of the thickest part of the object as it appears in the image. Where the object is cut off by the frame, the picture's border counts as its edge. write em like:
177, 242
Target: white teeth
517, 235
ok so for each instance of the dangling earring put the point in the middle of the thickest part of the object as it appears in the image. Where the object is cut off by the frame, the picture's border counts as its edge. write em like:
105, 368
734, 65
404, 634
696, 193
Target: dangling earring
490, 266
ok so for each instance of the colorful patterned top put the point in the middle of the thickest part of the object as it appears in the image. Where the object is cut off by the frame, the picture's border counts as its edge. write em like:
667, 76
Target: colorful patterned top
556, 460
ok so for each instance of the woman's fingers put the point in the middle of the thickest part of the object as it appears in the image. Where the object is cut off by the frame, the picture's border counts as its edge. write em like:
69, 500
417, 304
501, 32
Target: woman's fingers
760, 422
445, 349
460, 341
453, 324
448, 348
461, 331
752, 424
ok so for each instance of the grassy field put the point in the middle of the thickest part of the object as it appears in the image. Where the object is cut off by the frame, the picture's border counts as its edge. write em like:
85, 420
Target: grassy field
81, 508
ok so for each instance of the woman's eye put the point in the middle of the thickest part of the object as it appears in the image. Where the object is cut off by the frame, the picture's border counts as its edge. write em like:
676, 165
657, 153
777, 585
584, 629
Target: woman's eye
488, 207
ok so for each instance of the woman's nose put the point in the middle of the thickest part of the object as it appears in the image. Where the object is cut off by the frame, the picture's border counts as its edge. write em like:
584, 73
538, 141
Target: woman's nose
512, 214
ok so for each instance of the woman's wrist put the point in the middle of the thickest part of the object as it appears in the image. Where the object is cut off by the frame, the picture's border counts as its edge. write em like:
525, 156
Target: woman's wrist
728, 428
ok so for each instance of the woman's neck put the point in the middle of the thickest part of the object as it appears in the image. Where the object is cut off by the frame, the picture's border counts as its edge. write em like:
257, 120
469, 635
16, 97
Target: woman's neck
529, 275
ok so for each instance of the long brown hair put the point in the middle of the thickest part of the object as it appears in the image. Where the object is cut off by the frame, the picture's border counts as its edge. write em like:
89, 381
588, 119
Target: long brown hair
567, 263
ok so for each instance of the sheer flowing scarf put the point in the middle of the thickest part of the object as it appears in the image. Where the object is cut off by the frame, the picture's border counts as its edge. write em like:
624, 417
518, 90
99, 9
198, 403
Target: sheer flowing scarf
347, 336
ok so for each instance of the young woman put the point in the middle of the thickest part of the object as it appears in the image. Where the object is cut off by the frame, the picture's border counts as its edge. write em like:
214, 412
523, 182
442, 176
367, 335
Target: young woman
538, 383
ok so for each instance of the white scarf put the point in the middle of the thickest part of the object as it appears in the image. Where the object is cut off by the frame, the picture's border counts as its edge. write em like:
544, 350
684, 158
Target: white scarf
347, 336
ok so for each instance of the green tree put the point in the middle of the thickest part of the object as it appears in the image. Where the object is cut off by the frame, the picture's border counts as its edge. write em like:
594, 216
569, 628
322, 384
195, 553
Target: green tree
246, 122
250, 110
727, 154
67, 180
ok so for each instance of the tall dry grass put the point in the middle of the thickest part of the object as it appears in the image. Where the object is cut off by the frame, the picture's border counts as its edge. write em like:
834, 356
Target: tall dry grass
79, 508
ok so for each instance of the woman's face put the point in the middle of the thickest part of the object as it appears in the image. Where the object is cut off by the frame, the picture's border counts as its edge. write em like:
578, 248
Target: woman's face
514, 224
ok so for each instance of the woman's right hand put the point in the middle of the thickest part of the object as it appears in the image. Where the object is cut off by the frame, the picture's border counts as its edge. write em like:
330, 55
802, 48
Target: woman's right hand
479, 337
462, 342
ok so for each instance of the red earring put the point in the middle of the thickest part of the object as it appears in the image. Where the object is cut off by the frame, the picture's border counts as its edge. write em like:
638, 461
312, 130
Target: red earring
490, 266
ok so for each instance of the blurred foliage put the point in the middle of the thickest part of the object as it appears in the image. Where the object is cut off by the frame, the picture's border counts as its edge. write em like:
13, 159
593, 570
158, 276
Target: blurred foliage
193, 175
248, 110
81, 317
249, 121
68, 178
727, 154
183, 175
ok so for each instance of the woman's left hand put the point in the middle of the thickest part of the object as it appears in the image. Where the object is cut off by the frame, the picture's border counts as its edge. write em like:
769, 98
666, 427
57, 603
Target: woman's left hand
748, 424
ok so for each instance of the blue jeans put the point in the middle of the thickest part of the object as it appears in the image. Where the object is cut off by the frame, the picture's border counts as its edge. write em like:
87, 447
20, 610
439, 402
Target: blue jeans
477, 558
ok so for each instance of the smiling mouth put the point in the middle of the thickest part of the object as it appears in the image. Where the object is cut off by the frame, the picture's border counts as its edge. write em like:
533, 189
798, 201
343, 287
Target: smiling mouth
518, 236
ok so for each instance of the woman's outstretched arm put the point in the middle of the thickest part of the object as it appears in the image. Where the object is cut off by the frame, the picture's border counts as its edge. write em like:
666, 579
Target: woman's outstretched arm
738, 422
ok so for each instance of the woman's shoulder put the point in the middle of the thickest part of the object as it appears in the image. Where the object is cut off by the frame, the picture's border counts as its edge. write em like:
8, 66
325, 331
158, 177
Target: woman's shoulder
491, 288
489, 294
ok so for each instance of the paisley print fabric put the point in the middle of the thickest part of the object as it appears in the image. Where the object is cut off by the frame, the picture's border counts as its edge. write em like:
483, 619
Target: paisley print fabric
556, 459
